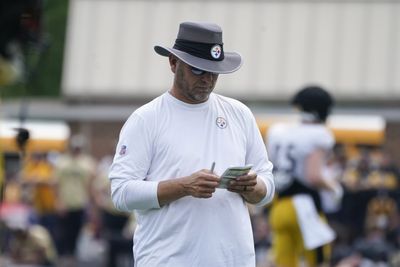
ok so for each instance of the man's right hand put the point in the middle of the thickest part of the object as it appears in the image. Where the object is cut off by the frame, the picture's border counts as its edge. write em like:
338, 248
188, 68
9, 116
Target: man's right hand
201, 184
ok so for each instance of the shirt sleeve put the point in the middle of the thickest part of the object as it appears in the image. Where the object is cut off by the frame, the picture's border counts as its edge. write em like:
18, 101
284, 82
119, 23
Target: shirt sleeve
257, 155
324, 138
129, 188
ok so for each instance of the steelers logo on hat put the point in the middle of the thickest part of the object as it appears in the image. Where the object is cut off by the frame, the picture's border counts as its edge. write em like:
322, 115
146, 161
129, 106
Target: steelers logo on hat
216, 51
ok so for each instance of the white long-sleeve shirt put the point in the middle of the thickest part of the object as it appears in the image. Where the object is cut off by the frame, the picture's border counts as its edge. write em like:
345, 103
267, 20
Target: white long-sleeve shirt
167, 139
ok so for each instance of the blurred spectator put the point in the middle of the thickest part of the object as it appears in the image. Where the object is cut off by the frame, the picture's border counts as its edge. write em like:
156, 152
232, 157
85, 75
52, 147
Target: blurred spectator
74, 172
388, 173
262, 236
350, 261
356, 174
26, 243
395, 259
374, 247
373, 169
37, 175
113, 222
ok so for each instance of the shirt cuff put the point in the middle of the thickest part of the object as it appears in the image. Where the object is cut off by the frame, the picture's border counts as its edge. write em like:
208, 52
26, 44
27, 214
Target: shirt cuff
270, 187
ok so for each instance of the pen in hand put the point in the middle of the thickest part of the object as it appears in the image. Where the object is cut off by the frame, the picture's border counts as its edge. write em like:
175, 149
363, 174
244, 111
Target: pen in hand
212, 167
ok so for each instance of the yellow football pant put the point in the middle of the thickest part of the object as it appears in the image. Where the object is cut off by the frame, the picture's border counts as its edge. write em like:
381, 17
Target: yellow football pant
287, 243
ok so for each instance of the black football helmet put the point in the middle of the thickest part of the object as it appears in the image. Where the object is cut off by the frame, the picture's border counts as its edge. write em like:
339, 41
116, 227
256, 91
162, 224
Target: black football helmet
314, 100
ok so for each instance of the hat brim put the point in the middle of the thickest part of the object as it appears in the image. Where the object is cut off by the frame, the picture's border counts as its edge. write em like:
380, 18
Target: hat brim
232, 61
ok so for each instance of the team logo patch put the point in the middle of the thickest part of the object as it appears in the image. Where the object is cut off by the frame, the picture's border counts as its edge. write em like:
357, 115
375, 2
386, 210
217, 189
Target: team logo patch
221, 122
122, 151
216, 51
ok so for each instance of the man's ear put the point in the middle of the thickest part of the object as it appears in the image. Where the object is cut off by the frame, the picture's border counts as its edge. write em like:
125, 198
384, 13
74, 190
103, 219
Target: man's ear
173, 60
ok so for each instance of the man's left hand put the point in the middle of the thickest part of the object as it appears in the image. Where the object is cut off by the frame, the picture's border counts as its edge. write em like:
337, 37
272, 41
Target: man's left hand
245, 184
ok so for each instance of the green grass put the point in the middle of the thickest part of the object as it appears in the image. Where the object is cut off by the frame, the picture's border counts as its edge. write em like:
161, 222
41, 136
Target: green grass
45, 80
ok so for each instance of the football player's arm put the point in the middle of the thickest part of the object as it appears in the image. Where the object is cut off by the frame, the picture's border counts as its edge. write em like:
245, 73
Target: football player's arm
314, 173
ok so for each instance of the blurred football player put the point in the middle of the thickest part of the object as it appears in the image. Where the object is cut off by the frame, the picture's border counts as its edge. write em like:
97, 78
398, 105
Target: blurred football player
298, 152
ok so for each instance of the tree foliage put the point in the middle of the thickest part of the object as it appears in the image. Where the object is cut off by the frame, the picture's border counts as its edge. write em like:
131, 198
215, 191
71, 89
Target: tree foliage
43, 61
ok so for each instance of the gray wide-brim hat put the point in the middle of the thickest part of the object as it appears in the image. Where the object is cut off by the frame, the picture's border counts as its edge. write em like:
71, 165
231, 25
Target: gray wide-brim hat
200, 45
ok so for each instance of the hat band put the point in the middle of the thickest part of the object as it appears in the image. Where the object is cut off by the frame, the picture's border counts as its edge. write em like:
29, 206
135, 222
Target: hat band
212, 52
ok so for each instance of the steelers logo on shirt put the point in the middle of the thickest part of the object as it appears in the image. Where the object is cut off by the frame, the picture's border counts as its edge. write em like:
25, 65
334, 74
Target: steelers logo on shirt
221, 122
122, 151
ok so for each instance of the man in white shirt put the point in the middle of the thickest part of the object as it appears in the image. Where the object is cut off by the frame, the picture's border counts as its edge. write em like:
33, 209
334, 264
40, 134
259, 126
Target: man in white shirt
162, 166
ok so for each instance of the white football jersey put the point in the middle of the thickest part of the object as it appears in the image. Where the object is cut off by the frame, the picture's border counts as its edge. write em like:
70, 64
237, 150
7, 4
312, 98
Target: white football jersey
289, 145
